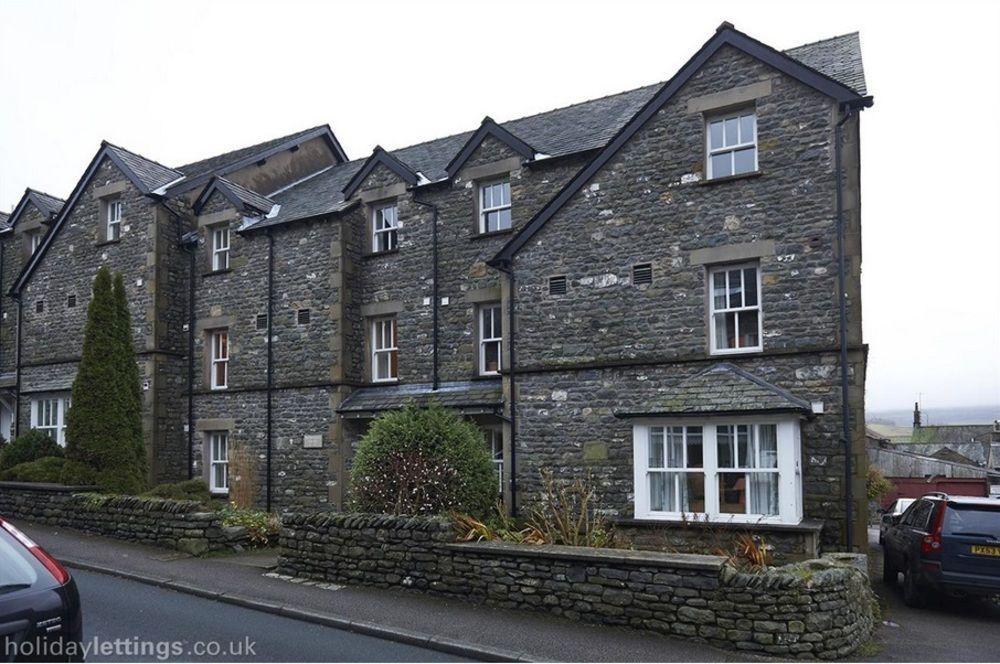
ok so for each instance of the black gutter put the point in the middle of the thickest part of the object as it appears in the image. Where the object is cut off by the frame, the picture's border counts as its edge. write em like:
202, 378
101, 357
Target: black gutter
507, 267
434, 291
270, 361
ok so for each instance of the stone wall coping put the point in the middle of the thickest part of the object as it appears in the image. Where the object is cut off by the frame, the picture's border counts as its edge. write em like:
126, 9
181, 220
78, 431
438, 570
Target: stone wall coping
805, 526
594, 555
48, 487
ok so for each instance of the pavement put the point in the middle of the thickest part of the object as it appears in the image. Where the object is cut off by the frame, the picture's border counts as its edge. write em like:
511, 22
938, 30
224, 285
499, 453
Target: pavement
947, 630
469, 631
147, 622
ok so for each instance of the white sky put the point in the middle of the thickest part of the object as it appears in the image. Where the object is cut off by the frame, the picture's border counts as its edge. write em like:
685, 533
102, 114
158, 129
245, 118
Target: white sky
180, 80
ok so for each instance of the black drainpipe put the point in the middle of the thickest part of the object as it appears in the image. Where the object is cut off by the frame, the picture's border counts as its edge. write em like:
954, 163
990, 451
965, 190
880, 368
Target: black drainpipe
844, 381
434, 291
507, 267
17, 382
192, 268
270, 358
3, 252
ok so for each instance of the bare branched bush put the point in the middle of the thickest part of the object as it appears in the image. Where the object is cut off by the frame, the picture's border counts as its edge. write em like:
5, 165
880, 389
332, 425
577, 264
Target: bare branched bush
242, 477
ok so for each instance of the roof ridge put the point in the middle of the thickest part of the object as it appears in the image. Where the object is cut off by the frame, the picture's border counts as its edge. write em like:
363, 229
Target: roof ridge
141, 156
252, 145
44, 193
821, 41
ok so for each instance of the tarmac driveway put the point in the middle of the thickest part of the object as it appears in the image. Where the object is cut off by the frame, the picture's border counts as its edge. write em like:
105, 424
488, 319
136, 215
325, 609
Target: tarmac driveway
949, 630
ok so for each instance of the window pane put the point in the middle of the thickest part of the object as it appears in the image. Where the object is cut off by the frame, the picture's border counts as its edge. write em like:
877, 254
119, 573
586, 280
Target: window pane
505, 193
744, 160
749, 329
725, 330
659, 499
692, 492
750, 286
747, 123
715, 134
745, 447
381, 365
725, 443
735, 289
656, 447
719, 289
722, 165
487, 197
497, 324
767, 441
675, 447
732, 493
763, 493
694, 447
491, 357
732, 131
503, 219
393, 364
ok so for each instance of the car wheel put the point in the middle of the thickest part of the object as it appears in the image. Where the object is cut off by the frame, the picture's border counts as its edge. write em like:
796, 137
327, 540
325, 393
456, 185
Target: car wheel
913, 595
890, 575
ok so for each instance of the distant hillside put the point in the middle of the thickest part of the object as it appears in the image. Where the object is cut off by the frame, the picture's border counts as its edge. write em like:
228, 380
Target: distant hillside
930, 415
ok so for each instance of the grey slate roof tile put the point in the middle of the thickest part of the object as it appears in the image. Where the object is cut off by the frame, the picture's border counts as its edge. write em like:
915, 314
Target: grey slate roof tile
584, 126
196, 168
458, 394
4, 216
248, 196
152, 174
47, 203
722, 388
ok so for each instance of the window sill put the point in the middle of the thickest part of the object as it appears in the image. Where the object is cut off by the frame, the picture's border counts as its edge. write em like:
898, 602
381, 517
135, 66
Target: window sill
382, 383
483, 236
738, 353
213, 273
380, 254
490, 376
730, 178
804, 526
104, 243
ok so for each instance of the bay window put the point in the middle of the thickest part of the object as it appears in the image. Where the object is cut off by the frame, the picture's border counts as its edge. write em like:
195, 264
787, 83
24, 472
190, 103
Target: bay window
48, 415
735, 469
735, 324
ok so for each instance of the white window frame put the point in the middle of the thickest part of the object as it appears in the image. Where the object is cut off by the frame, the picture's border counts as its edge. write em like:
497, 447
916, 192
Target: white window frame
220, 248
494, 442
486, 338
741, 144
789, 470
216, 460
219, 357
48, 415
385, 227
484, 210
113, 219
378, 347
35, 241
712, 311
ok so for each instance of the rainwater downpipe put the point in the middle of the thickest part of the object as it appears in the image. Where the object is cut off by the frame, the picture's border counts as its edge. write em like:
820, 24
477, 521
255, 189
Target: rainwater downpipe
844, 379
507, 267
270, 362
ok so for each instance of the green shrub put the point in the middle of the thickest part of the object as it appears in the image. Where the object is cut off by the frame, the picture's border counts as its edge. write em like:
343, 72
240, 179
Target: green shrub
261, 527
877, 484
423, 461
53, 469
29, 447
195, 490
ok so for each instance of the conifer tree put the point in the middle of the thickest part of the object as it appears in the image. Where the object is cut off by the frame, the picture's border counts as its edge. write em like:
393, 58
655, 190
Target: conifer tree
103, 425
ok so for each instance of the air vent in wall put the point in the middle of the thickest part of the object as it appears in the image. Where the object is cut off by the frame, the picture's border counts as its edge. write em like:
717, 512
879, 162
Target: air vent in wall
302, 317
39, 306
557, 285
642, 274
261, 321
70, 301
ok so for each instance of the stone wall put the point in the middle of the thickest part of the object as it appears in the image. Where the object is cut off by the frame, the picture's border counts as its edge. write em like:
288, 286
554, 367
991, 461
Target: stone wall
174, 524
819, 608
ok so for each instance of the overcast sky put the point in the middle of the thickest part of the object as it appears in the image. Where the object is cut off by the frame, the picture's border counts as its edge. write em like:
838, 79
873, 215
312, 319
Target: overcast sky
178, 81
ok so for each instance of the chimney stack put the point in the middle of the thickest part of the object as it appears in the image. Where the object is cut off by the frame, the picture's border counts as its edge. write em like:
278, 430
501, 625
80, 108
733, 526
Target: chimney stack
916, 415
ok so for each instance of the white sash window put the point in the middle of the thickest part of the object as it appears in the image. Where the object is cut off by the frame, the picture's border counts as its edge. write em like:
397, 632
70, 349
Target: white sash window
742, 469
48, 415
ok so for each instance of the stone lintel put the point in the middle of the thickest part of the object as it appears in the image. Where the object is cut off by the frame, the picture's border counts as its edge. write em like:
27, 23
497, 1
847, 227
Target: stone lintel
717, 101
110, 189
491, 294
217, 218
381, 193
381, 308
731, 253
491, 169
215, 424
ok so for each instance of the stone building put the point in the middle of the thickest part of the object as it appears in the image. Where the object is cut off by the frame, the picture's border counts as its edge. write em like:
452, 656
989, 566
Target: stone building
643, 287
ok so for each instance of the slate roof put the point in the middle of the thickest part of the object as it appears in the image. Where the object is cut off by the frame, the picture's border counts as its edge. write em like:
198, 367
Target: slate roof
3, 220
48, 204
459, 394
837, 57
196, 168
584, 126
237, 192
953, 433
722, 388
151, 174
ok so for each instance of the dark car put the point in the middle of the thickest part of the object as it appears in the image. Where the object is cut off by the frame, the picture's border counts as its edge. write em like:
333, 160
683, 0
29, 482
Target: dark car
897, 507
40, 618
947, 544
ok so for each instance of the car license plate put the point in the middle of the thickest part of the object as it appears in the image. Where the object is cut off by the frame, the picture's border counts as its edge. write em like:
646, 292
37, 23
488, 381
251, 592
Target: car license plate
986, 550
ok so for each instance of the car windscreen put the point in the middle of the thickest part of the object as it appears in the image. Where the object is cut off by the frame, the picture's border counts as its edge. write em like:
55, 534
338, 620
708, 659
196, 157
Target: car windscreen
973, 520
902, 504
17, 566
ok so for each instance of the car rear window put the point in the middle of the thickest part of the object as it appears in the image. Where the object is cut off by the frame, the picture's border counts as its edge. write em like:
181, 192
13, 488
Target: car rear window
17, 566
973, 519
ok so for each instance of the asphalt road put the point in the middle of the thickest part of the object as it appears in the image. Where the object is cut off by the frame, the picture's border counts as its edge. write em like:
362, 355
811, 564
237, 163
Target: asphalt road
948, 630
169, 626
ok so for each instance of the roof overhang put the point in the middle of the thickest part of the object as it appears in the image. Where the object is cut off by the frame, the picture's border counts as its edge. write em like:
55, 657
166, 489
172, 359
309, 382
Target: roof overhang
380, 157
488, 128
228, 190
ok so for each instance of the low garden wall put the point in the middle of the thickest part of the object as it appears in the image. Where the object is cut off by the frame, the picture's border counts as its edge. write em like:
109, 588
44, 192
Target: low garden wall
821, 608
182, 525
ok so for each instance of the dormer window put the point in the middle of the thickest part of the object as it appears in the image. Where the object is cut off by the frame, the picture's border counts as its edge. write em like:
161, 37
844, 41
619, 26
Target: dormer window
385, 228
732, 144
34, 241
494, 206
113, 217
